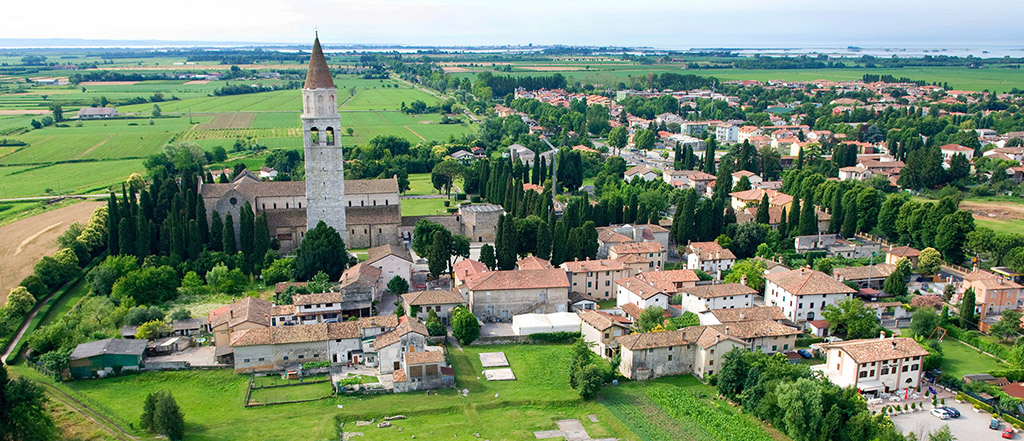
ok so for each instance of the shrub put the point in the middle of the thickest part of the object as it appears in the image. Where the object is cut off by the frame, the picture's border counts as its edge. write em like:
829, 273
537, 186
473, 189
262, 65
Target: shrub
474, 199
447, 203
554, 337
803, 342
315, 364
460, 196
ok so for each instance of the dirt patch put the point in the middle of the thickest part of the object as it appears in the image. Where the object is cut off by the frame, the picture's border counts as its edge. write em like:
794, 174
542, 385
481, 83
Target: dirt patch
414, 133
998, 210
107, 83
28, 240
24, 112
549, 68
455, 69
229, 121
196, 82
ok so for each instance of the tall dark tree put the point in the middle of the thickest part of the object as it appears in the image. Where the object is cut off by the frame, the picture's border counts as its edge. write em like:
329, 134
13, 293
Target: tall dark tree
808, 218
113, 222
784, 224
142, 236
321, 250
261, 239
763, 211
216, 242
967, 306
794, 217
228, 236
246, 223
487, 257
195, 241
544, 241
835, 223
559, 246
505, 245
126, 236
850, 214
204, 228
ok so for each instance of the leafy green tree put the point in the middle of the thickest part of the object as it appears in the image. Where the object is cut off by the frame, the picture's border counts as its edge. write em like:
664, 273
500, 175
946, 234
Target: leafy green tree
434, 325
320, 282
423, 236
167, 418
146, 286
951, 235
444, 174
743, 185
929, 261
23, 411
398, 285
850, 319
1007, 326
590, 380
437, 259
19, 301
801, 406
644, 139
279, 270
487, 257
753, 269
618, 137
153, 329
733, 372
142, 314
580, 356
56, 270
967, 305
895, 285
943, 434
650, 317
321, 250
924, 321
465, 327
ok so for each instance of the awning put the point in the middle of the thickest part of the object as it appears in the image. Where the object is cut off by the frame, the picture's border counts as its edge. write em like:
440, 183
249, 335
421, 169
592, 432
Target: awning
870, 385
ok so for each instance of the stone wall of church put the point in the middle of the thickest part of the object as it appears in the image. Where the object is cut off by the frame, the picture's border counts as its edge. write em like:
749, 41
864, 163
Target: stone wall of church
368, 236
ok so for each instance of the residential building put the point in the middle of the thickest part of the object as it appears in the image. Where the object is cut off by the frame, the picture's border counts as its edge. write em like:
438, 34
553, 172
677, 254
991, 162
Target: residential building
741, 199
694, 350
702, 298
652, 251
709, 257
601, 331
502, 294
248, 313
870, 276
596, 278
440, 301
949, 150
96, 112
409, 337
641, 293
533, 263
993, 294
391, 260
752, 177
671, 281
875, 365
803, 293
719, 316
465, 268
895, 254
765, 336
640, 171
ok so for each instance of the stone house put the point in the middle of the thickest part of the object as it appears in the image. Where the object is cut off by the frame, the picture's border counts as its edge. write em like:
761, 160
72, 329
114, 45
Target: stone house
694, 350
803, 293
480, 221
440, 301
391, 260
410, 336
654, 252
601, 331
709, 257
502, 294
702, 298
596, 278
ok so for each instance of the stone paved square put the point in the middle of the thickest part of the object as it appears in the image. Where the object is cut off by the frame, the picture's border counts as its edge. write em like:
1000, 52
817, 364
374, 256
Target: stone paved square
493, 359
504, 374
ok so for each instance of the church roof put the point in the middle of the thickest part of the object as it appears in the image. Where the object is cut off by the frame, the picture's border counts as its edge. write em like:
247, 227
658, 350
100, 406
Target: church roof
319, 75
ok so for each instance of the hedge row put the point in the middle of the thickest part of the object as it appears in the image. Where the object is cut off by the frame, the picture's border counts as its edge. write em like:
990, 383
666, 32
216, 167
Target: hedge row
555, 337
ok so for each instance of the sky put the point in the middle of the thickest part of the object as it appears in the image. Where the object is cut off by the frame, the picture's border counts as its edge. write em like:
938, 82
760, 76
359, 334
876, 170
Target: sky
660, 24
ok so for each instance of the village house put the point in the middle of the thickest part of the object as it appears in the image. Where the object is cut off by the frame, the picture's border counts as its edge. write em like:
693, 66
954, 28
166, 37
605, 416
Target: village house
741, 199
752, 177
719, 316
949, 150
110, 356
465, 268
672, 281
993, 294
694, 350
248, 313
601, 330
874, 365
803, 293
640, 171
96, 112
440, 301
392, 261
607, 238
895, 254
765, 336
595, 278
654, 252
702, 298
871, 276
642, 232
709, 257
502, 294
695, 179
640, 293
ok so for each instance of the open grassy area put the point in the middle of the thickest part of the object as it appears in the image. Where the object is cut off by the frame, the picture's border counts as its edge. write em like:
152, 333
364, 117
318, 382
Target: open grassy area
959, 359
424, 207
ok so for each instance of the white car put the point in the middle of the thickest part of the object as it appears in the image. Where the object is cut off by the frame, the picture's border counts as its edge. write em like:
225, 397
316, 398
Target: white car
940, 414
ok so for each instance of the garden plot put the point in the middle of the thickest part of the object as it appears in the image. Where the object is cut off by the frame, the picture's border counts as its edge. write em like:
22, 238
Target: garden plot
493, 359
504, 374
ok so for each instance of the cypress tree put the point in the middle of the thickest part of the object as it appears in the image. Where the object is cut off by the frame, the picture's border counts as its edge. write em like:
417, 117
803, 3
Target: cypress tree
763, 211
544, 241
967, 309
487, 257
835, 223
195, 241
168, 419
261, 239
794, 217
437, 258
717, 218
113, 222
179, 239
506, 248
808, 220
543, 170
146, 204
709, 156
142, 239
783, 225
245, 231
850, 215
216, 242
631, 209
228, 236
559, 246
126, 236
204, 228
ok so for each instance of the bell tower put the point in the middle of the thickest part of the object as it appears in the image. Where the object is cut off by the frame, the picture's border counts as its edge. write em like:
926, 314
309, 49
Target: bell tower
325, 173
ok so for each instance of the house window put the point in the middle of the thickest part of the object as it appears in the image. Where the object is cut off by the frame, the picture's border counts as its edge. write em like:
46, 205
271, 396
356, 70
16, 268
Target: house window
775, 348
863, 374
711, 363
905, 368
669, 357
285, 358
913, 367
261, 359
301, 356
246, 360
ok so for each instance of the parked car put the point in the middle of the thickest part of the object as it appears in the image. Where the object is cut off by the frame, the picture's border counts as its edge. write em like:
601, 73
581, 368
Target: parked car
940, 414
953, 413
804, 353
1008, 433
994, 424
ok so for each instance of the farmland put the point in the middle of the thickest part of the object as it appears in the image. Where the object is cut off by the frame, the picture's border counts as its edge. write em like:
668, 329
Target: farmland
92, 155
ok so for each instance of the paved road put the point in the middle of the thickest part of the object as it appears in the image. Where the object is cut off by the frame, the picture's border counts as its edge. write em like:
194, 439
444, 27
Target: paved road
970, 426
46, 198
24, 326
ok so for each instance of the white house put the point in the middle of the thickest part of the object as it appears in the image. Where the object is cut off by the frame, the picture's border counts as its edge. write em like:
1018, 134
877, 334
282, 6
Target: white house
949, 150
702, 298
803, 293
640, 171
875, 365
640, 293
727, 133
392, 261
752, 177
601, 330
709, 257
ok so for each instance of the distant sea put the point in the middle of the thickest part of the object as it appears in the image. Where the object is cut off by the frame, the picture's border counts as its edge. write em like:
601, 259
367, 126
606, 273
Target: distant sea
993, 51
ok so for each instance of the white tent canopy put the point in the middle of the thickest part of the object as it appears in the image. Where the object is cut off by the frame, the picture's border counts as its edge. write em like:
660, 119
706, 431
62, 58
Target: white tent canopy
526, 324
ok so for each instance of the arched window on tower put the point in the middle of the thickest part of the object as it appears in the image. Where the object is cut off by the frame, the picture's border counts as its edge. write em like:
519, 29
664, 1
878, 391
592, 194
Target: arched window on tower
319, 103
308, 103
314, 136
329, 135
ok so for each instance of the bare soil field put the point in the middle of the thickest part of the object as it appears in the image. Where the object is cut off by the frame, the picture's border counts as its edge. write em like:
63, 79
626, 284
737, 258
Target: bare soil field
1002, 210
28, 240
550, 68
229, 121
24, 112
196, 82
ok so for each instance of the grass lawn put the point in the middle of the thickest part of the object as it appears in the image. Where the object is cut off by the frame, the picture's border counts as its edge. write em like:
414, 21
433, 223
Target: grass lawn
959, 359
298, 391
606, 304
424, 207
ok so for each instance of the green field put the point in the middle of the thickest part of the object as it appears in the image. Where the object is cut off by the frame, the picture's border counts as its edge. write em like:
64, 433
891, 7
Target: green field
959, 360
424, 207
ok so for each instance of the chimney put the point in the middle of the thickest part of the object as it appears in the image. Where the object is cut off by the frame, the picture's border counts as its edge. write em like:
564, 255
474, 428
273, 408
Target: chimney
743, 279
894, 344
727, 330
231, 313
881, 335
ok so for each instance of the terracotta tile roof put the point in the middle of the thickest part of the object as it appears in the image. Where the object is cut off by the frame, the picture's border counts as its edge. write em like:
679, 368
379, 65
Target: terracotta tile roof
399, 376
280, 335
391, 337
376, 253
608, 235
249, 309
720, 290
640, 287
805, 281
743, 314
433, 297
956, 148
361, 273
371, 186
378, 321
757, 328
423, 357
876, 271
279, 310
598, 320
774, 214
632, 258
318, 298
743, 173
703, 336
704, 246
638, 170
637, 247
653, 227
979, 275
671, 280
343, 330
755, 195
280, 287
533, 263
995, 284
468, 267
578, 266
518, 279
878, 349
318, 76
632, 310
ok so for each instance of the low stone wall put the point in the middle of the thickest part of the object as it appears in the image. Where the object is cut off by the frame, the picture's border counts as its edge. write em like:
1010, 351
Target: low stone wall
502, 340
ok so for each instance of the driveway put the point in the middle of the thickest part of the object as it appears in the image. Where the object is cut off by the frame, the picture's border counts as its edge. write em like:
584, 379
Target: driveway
970, 426
193, 355
496, 330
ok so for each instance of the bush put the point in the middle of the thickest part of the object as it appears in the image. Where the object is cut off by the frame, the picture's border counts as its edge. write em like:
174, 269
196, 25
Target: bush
554, 337
803, 342
447, 203
474, 199
315, 364
460, 196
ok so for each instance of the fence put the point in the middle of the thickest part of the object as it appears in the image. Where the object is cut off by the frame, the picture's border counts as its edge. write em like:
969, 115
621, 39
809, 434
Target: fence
252, 387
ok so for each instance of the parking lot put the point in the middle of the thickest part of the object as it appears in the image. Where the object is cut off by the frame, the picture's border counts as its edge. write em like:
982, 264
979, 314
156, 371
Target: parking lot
970, 426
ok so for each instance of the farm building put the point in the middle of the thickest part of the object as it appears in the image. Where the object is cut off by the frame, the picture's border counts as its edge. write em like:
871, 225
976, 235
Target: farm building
96, 112
105, 357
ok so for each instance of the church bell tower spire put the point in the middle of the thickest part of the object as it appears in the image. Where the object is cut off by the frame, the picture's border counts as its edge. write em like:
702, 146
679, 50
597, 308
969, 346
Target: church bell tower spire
325, 172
